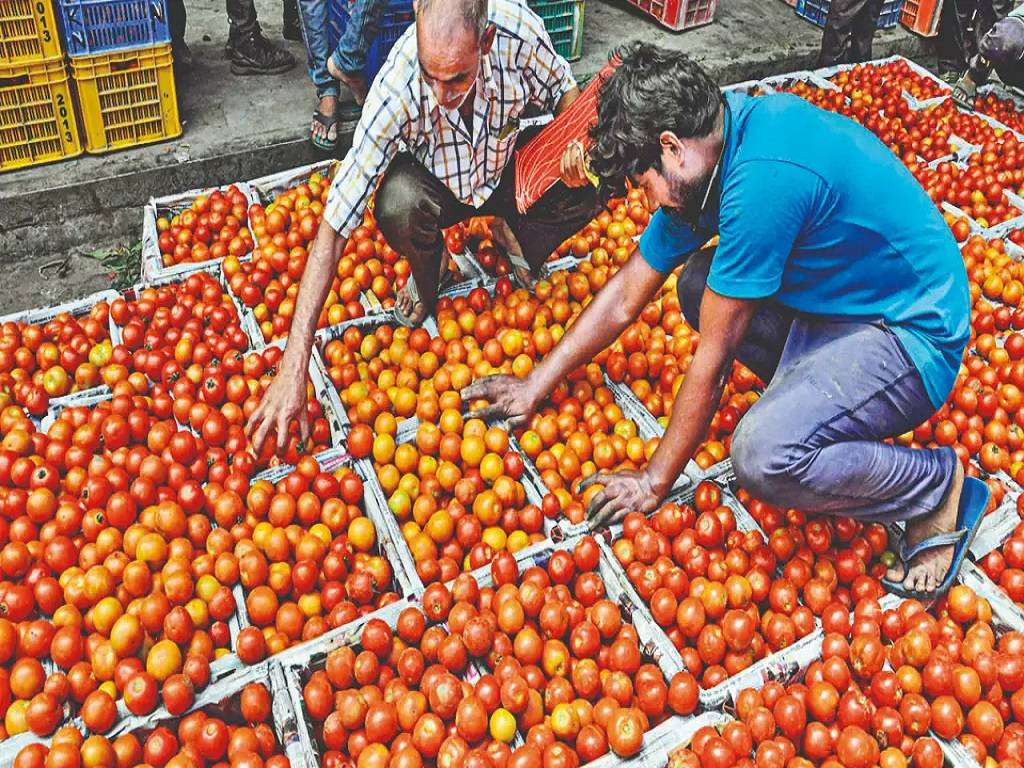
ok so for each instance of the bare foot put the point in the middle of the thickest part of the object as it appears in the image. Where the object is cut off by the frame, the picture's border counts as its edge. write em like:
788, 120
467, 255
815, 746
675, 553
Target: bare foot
354, 80
930, 567
327, 106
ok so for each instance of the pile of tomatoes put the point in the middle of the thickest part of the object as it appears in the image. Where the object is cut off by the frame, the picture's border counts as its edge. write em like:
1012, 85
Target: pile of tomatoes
243, 736
43, 361
285, 230
456, 489
712, 588
542, 654
313, 561
212, 227
169, 333
1003, 110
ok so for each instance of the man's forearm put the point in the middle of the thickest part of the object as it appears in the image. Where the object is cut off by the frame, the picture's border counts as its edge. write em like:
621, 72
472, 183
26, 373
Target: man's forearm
313, 290
692, 411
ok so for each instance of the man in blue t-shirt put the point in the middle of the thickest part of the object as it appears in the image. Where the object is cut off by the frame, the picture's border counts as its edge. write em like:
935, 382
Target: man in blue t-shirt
835, 279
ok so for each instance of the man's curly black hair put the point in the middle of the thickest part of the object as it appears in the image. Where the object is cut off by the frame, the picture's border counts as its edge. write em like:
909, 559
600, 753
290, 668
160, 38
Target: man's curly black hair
653, 90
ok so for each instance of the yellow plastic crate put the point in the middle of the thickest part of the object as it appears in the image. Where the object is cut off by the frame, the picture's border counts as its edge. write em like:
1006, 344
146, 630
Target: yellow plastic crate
28, 32
127, 98
37, 116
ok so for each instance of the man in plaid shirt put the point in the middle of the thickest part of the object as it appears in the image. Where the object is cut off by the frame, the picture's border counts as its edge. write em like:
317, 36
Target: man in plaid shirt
439, 131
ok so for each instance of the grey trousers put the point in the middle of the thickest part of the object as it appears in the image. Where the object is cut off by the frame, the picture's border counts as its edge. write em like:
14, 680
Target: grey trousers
849, 31
413, 206
814, 441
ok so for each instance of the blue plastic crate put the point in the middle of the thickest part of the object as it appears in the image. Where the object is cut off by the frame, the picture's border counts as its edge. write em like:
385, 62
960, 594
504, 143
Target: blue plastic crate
816, 12
102, 26
395, 20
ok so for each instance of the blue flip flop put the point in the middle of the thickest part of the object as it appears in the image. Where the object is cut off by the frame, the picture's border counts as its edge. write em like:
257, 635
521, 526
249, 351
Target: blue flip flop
971, 511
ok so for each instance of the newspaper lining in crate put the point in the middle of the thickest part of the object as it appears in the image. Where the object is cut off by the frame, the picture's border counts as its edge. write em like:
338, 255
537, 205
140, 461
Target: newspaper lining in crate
567, 263
996, 527
270, 186
781, 83
152, 262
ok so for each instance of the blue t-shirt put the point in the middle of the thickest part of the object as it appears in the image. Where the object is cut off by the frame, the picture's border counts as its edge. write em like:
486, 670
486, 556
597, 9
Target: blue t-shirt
815, 212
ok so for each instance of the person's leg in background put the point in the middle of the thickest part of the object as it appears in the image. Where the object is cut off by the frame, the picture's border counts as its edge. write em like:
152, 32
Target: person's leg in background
291, 28
966, 12
250, 52
177, 20
837, 37
864, 27
324, 130
348, 59
950, 44
989, 12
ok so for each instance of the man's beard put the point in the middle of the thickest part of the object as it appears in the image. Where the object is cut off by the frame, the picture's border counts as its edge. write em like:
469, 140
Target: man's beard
687, 198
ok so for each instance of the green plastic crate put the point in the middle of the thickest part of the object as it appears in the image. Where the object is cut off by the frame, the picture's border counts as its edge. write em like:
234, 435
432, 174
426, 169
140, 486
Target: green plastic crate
564, 22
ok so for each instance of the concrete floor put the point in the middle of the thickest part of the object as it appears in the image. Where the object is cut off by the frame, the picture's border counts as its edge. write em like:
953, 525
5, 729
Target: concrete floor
238, 128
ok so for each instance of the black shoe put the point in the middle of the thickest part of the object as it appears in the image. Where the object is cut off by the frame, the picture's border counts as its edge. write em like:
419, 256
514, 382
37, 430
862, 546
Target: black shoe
255, 55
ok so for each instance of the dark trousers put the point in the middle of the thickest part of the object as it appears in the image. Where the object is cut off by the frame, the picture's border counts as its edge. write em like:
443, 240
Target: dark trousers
950, 42
241, 17
849, 30
413, 206
814, 441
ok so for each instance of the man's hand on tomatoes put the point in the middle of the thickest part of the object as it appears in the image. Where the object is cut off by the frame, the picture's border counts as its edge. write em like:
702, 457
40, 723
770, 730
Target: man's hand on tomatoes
509, 397
282, 403
573, 166
623, 492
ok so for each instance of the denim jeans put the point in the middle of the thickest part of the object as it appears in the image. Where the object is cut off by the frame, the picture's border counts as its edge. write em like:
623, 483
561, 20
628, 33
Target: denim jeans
363, 26
814, 441
313, 18
350, 54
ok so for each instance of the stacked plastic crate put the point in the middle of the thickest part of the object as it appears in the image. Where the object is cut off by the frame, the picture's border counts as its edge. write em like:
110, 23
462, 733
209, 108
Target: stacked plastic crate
37, 117
123, 70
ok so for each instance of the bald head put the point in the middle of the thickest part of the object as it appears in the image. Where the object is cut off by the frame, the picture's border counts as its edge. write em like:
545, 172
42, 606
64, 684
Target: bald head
451, 38
441, 20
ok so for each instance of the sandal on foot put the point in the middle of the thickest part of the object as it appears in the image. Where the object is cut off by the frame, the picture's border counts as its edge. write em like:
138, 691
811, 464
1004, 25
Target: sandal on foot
414, 295
329, 122
971, 511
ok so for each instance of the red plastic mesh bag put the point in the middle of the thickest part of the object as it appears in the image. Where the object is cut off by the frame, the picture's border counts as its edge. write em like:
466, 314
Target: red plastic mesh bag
538, 161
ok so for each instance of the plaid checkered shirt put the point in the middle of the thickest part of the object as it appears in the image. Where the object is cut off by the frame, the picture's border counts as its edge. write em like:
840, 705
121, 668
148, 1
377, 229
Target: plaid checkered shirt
401, 114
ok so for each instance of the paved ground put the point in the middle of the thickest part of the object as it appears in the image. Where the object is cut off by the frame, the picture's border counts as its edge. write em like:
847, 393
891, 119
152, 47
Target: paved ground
239, 128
